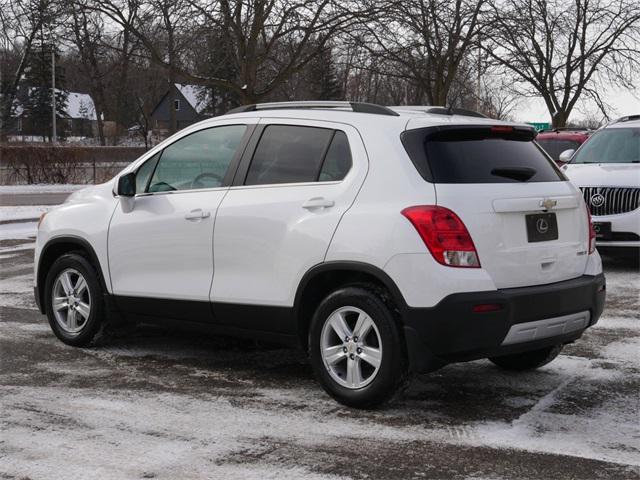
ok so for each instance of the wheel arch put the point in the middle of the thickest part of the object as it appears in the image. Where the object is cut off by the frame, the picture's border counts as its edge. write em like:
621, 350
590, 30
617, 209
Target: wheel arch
55, 248
323, 278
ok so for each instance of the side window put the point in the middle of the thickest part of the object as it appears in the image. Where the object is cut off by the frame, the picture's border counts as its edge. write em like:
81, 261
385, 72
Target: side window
144, 173
199, 160
288, 154
337, 163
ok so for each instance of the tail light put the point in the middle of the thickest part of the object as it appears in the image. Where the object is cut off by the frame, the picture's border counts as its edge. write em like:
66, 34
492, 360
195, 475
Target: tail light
444, 234
592, 232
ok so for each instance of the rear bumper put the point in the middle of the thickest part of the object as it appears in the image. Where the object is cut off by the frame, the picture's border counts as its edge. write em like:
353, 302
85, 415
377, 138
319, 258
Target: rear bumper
451, 331
607, 244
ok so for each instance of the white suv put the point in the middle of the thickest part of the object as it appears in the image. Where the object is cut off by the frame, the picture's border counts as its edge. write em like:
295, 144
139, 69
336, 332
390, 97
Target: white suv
384, 241
607, 170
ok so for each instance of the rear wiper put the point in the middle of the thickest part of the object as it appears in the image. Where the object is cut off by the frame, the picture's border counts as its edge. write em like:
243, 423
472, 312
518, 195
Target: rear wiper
522, 174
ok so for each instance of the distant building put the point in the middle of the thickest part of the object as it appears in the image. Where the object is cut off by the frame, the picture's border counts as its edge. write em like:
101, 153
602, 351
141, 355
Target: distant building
190, 104
80, 115
78, 119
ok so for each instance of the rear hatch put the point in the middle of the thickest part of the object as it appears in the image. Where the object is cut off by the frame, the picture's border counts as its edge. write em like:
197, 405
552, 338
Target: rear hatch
527, 221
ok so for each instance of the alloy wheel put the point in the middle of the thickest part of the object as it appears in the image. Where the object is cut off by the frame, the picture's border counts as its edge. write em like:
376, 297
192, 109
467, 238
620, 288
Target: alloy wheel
71, 301
351, 347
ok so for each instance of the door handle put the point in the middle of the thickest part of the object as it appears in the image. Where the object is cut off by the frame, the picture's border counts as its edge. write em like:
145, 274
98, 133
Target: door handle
197, 214
318, 202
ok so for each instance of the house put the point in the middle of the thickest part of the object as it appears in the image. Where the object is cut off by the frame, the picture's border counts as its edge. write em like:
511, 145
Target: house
77, 119
80, 115
190, 103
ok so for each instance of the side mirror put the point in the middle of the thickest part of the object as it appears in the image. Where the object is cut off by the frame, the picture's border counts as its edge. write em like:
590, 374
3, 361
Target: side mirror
127, 185
566, 156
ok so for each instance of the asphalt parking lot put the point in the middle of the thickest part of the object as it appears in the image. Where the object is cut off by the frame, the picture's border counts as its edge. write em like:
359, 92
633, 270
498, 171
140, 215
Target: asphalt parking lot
153, 404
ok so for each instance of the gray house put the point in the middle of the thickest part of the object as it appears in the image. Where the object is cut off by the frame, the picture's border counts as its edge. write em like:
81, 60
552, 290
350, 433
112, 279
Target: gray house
189, 103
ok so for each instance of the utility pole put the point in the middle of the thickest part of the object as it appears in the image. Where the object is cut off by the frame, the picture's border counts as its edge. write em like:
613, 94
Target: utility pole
54, 137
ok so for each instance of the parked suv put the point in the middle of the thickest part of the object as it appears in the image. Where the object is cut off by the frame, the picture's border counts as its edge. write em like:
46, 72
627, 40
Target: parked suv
383, 241
607, 170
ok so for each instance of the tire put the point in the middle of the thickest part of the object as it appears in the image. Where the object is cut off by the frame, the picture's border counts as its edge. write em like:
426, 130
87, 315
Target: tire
527, 360
79, 330
351, 377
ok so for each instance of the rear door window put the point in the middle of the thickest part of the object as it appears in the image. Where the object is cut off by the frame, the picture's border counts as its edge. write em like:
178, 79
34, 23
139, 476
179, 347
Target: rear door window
337, 163
289, 154
479, 155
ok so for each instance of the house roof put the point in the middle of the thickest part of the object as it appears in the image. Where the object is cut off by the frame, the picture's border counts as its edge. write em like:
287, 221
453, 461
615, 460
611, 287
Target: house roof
197, 96
80, 105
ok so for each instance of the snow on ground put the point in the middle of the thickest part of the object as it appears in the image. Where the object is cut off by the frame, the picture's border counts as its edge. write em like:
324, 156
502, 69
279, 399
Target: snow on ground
18, 230
41, 188
151, 404
23, 212
19, 222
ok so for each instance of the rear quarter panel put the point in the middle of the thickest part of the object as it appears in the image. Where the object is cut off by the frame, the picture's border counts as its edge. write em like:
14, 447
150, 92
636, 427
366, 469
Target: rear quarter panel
374, 231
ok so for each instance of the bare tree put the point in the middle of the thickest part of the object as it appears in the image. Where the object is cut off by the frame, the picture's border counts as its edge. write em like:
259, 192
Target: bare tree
566, 50
21, 22
429, 39
255, 32
86, 36
497, 99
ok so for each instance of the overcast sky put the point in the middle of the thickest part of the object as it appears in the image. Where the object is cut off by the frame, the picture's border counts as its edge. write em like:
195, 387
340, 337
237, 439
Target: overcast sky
622, 102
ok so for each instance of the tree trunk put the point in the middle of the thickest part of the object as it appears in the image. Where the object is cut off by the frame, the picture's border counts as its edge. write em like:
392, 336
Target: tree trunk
100, 127
559, 120
121, 113
173, 122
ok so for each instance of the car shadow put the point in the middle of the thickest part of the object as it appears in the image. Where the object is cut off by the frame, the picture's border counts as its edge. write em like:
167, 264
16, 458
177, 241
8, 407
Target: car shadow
467, 392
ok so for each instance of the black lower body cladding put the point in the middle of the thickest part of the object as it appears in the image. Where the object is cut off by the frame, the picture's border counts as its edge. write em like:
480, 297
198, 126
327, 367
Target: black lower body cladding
452, 331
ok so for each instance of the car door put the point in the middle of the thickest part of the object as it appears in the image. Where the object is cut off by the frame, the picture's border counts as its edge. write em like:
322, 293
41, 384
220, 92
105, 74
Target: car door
161, 246
277, 220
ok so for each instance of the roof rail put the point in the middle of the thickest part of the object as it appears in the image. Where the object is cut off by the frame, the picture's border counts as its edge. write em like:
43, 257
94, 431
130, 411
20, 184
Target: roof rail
359, 107
627, 118
440, 110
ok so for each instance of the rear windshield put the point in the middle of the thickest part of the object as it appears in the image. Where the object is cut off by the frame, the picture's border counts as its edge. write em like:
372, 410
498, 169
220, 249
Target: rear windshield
612, 145
554, 147
479, 155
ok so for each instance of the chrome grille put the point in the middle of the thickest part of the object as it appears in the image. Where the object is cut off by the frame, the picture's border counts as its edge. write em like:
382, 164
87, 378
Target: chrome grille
611, 200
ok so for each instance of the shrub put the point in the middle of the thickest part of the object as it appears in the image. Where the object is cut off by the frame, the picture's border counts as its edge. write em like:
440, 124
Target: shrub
20, 164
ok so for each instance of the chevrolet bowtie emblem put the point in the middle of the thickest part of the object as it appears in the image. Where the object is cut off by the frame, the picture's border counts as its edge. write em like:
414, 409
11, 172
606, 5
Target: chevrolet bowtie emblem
548, 203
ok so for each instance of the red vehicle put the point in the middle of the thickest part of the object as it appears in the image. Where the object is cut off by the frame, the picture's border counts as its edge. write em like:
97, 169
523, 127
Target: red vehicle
556, 141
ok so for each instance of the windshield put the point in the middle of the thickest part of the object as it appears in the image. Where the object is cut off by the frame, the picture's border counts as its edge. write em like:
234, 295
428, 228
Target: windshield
612, 145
